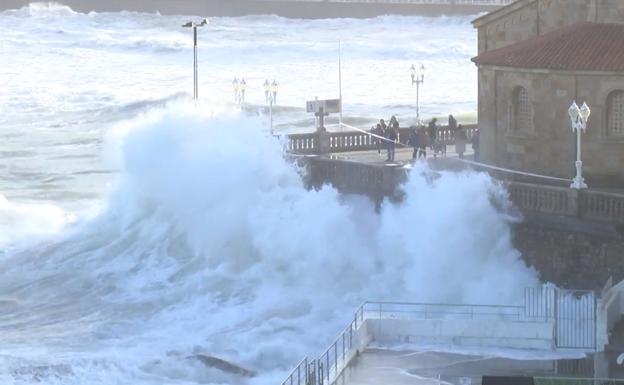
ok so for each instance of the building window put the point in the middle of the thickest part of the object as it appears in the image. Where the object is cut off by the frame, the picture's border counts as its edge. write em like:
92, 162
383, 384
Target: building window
615, 113
522, 114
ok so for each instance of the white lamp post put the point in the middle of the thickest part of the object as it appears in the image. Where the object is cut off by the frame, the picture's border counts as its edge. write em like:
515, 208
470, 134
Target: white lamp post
270, 92
194, 25
236, 88
243, 87
274, 87
418, 78
578, 118
267, 89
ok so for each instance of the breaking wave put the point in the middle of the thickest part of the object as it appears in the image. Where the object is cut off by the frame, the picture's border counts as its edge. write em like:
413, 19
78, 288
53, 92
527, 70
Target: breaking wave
212, 263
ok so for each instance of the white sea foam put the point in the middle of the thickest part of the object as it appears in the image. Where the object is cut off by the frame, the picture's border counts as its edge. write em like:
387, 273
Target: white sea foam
210, 243
22, 221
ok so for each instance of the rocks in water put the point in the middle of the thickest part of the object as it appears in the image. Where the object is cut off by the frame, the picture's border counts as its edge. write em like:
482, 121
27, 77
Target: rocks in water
223, 365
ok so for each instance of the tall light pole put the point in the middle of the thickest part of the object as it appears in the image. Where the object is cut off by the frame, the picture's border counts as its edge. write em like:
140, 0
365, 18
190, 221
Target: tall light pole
578, 119
270, 93
267, 89
243, 87
236, 87
194, 25
418, 78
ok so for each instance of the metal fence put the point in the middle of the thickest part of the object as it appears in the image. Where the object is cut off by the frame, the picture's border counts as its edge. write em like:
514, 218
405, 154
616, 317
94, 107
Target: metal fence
430, 311
575, 319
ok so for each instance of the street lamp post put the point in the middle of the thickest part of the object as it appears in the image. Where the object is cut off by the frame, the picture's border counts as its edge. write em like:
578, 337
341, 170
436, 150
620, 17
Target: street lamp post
194, 25
578, 119
243, 87
267, 89
270, 93
236, 88
418, 78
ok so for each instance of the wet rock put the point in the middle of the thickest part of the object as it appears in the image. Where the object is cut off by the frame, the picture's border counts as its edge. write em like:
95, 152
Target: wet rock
223, 365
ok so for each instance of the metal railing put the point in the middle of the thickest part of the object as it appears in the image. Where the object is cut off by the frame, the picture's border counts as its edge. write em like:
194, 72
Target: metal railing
432, 311
299, 373
336, 357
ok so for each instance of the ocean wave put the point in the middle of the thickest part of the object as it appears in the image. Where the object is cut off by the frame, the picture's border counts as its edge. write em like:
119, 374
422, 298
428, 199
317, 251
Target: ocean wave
209, 244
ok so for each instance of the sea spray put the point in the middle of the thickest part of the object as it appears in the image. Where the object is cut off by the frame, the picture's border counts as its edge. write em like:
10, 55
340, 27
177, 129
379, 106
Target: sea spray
210, 244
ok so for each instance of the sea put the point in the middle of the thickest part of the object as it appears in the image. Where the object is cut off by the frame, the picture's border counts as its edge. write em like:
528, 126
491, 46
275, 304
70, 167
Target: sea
141, 230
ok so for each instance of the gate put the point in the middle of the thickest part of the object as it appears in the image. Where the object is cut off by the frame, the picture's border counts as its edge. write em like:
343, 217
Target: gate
575, 319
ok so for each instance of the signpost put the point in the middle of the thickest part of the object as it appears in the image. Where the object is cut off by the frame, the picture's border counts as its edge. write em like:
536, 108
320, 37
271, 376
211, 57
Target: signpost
322, 108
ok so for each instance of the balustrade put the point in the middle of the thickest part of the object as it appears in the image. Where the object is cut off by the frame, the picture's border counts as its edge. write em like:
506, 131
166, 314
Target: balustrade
347, 141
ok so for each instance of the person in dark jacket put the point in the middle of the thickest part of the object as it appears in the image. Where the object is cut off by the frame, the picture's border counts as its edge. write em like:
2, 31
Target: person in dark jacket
377, 131
460, 141
392, 136
452, 124
394, 125
475, 144
423, 140
383, 132
413, 141
432, 131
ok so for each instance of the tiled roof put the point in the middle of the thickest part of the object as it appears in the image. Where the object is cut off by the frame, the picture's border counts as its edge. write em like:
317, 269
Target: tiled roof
579, 47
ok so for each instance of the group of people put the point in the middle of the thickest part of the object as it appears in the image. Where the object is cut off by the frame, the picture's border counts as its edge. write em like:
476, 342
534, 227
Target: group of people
422, 137
390, 132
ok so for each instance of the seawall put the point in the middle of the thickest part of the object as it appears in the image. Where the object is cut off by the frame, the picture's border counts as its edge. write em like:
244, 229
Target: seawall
573, 239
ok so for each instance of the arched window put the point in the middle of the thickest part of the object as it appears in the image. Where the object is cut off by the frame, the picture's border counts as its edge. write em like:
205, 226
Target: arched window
522, 114
615, 113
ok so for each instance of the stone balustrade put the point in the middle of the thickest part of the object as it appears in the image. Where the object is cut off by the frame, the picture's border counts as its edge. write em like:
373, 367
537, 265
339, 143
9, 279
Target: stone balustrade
346, 141
585, 204
379, 181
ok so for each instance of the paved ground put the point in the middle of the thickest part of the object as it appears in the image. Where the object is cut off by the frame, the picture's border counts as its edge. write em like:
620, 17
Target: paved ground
402, 156
376, 367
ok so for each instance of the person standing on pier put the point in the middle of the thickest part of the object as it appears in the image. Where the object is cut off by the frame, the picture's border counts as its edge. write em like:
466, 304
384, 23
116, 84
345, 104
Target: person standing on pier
422, 143
383, 132
432, 130
460, 141
394, 125
475, 144
391, 142
376, 130
413, 141
452, 124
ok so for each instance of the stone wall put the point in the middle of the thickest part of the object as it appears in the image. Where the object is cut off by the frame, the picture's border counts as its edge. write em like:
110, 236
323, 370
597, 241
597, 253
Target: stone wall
571, 254
509, 27
530, 18
549, 147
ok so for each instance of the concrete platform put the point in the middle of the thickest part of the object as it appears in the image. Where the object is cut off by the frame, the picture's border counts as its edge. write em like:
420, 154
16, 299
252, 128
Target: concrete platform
402, 156
376, 367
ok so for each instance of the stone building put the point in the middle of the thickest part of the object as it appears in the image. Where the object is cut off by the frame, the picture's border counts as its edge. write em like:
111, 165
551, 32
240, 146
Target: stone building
535, 58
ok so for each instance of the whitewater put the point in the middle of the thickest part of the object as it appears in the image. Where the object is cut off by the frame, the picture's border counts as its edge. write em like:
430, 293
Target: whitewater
140, 231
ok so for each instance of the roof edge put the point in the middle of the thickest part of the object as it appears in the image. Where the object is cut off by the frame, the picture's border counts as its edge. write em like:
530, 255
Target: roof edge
504, 11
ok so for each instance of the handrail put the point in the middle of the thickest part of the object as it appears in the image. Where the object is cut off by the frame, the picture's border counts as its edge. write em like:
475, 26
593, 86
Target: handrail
440, 304
297, 369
